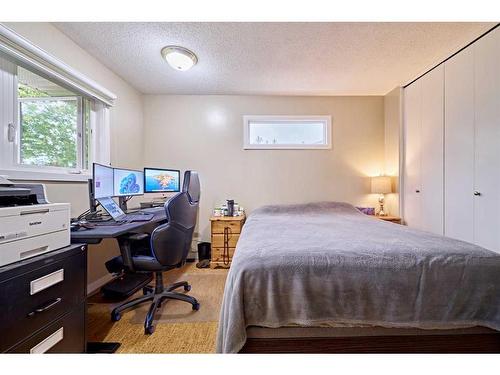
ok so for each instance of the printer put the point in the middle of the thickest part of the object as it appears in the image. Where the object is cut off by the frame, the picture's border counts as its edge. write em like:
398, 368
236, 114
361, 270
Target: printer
29, 224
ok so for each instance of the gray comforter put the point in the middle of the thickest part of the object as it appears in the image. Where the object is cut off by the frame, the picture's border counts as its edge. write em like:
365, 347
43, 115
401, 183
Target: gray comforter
323, 263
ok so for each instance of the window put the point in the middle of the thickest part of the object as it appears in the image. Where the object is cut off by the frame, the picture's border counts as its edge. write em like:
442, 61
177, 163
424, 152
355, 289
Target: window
54, 121
287, 132
52, 124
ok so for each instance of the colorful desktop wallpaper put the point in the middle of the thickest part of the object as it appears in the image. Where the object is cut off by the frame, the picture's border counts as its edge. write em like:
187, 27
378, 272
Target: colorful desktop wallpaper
162, 180
128, 182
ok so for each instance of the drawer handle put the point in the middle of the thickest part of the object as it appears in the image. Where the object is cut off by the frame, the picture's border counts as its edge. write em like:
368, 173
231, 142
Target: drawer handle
46, 281
42, 211
45, 307
33, 252
48, 343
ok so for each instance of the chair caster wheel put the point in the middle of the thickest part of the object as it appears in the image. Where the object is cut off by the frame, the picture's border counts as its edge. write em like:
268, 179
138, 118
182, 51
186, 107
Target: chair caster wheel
116, 316
196, 306
149, 330
146, 291
187, 288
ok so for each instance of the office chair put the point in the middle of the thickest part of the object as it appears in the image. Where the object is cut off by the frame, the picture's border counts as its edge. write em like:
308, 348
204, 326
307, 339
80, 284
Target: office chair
165, 249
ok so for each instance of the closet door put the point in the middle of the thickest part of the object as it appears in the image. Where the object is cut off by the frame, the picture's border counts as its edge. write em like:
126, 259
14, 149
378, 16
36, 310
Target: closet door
487, 141
412, 165
459, 146
431, 151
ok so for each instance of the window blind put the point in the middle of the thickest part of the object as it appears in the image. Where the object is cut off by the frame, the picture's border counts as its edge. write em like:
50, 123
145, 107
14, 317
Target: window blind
25, 53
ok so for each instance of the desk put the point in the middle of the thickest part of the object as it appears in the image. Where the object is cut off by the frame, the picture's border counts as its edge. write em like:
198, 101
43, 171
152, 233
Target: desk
95, 235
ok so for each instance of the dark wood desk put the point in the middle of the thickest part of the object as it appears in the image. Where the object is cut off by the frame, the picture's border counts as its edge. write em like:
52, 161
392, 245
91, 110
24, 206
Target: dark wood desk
95, 235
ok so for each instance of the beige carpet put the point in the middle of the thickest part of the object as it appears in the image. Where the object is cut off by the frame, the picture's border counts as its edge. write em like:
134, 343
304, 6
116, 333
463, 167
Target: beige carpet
207, 288
178, 335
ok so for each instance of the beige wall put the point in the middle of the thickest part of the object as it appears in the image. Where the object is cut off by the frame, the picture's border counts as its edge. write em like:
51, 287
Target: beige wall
205, 133
392, 114
126, 119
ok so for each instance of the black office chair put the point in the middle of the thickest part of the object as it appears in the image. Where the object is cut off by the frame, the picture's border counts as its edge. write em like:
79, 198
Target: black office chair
166, 248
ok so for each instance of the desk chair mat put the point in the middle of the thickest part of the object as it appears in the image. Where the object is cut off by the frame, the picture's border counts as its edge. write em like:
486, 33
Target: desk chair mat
207, 286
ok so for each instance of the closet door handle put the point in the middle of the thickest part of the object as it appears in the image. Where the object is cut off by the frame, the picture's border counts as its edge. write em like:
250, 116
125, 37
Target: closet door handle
417, 191
477, 193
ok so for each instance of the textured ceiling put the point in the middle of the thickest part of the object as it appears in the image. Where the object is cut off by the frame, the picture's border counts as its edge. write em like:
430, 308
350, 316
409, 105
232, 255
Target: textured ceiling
273, 58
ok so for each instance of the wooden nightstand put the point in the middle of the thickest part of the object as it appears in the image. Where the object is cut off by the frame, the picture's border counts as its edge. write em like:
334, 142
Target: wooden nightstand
392, 219
225, 232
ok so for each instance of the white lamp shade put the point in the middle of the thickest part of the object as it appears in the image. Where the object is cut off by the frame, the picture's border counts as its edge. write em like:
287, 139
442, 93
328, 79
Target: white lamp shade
381, 185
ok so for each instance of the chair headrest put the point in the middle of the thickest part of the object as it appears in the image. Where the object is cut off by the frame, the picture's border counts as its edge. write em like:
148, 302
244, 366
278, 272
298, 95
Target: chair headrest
191, 186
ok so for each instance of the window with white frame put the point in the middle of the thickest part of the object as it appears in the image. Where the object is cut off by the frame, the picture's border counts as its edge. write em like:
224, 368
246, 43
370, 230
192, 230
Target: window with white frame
287, 132
54, 122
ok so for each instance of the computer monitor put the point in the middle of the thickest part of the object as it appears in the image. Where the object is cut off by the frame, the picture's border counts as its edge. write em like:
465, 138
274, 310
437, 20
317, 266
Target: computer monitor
158, 180
102, 177
128, 182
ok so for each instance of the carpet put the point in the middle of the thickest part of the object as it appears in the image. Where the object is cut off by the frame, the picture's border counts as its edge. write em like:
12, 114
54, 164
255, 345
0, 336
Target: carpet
207, 286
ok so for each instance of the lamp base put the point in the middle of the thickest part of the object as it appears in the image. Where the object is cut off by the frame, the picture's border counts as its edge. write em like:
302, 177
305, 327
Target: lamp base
381, 211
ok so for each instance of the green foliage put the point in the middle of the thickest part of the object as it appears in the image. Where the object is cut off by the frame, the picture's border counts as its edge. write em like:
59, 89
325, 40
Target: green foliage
48, 130
25, 91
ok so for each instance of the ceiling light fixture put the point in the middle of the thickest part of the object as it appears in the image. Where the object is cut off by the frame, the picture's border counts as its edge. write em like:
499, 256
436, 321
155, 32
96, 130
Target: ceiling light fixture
179, 58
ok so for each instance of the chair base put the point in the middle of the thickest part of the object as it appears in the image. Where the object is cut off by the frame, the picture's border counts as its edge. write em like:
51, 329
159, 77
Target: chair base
157, 296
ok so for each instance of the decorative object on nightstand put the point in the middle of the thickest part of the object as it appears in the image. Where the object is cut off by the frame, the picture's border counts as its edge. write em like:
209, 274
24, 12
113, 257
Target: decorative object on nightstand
225, 232
367, 210
381, 185
392, 219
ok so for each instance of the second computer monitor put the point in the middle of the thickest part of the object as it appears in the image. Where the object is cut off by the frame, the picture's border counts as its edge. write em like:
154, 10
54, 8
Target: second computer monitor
158, 180
128, 182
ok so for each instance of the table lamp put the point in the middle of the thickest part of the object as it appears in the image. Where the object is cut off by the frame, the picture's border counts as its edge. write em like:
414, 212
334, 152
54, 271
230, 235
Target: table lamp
381, 185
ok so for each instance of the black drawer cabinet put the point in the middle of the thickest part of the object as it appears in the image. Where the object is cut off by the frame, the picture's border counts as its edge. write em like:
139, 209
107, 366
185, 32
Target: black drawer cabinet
42, 303
62, 336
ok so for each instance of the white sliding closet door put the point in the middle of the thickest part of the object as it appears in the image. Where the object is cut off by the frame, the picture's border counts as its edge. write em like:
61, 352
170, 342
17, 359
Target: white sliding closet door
412, 168
487, 141
431, 151
459, 146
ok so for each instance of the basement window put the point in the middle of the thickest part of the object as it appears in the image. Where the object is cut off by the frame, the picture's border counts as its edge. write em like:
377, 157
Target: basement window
287, 132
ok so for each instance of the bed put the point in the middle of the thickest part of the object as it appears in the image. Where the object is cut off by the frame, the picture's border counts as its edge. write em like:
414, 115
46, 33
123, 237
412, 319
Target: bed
328, 266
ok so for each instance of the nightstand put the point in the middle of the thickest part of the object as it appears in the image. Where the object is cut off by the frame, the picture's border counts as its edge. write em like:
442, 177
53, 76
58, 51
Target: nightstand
392, 219
225, 232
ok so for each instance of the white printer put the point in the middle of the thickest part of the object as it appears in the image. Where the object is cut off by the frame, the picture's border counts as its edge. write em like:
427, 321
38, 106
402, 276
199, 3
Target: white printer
29, 224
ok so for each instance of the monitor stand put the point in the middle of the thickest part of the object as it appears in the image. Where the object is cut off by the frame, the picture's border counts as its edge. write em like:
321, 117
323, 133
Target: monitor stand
122, 202
92, 201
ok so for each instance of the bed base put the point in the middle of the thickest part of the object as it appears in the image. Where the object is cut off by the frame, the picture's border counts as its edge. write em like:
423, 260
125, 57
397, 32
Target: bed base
452, 343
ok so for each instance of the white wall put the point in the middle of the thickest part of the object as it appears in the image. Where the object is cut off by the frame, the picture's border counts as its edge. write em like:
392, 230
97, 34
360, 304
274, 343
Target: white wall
126, 119
392, 114
205, 133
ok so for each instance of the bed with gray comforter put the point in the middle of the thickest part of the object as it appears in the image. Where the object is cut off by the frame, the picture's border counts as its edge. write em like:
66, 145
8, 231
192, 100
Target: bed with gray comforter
326, 263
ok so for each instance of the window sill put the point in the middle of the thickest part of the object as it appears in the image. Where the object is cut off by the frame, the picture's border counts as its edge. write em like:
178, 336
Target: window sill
30, 175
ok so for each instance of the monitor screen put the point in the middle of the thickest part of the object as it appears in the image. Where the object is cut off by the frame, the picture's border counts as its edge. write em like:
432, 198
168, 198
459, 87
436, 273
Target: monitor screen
128, 182
161, 180
102, 178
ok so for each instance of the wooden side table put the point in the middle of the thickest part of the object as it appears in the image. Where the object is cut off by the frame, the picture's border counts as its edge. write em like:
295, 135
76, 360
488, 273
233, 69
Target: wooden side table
225, 232
392, 219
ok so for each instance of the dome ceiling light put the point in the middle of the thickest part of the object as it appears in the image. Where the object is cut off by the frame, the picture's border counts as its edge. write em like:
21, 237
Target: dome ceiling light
179, 58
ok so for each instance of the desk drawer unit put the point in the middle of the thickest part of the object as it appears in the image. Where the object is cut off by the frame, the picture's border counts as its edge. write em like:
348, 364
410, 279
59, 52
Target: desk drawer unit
225, 235
38, 292
61, 336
